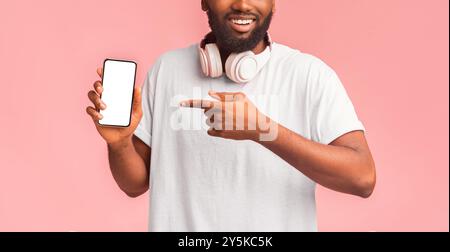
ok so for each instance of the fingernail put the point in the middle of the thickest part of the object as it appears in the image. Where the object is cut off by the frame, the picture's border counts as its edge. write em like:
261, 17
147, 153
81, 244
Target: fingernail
103, 106
182, 104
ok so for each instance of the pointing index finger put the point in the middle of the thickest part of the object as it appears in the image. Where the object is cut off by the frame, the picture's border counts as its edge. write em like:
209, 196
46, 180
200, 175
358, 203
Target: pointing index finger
201, 104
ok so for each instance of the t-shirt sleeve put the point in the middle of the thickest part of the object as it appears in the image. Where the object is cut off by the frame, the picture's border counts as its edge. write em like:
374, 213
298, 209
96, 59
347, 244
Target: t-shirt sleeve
144, 128
333, 113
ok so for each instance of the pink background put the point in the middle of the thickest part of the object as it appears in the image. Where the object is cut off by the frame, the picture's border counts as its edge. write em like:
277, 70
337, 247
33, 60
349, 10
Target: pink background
392, 56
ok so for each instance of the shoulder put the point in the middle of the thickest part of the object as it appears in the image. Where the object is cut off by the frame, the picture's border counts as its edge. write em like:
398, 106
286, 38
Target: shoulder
300, 61
178, 55
181, 58
317, 76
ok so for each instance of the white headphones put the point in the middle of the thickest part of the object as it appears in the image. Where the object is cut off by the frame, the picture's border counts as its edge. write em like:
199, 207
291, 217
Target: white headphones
239, 67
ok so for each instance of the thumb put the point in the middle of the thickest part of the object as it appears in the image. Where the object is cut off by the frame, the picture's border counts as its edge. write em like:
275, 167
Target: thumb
215, 95
226, 96
137, 99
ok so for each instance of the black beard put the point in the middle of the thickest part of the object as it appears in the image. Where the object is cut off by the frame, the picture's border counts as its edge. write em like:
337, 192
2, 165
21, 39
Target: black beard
231, 44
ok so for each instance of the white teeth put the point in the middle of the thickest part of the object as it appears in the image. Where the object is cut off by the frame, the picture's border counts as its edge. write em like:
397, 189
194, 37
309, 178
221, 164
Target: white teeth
242, 21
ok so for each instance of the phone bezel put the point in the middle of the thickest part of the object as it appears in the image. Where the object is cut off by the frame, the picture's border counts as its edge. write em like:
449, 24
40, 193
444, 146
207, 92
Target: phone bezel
132, 98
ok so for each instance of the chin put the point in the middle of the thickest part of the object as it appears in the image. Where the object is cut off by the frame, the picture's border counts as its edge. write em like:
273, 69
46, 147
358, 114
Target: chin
238, 35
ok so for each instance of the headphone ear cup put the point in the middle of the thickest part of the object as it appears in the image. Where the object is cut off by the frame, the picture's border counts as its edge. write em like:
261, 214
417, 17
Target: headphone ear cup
204, 61
230, 65
241, 67
214, 60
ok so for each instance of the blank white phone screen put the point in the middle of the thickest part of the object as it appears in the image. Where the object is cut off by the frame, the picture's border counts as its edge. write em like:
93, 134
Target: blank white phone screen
118, 85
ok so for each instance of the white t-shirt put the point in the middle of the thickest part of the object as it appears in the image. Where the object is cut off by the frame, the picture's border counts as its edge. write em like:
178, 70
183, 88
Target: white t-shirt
203, 183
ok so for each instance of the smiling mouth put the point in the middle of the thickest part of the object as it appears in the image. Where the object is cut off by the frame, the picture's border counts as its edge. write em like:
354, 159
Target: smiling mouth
242, 24
242, 21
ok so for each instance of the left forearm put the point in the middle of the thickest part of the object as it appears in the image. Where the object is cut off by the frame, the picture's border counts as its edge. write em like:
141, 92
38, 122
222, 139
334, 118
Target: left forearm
336, 167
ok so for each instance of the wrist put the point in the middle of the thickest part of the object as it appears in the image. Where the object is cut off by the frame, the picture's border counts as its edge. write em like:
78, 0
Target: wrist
252, 135
267, 131
121, 143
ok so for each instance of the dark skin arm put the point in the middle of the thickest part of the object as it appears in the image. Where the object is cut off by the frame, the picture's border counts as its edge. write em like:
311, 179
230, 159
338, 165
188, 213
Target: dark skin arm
129, 157
345, 165
143, 150
129, 162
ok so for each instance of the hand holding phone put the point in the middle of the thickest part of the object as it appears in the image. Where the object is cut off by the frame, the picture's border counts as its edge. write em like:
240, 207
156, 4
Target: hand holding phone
117, 103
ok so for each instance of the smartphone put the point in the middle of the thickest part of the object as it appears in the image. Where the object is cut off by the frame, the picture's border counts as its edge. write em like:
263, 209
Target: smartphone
118, 81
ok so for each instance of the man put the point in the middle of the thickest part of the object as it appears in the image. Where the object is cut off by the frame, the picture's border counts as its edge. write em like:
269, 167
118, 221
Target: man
257, 176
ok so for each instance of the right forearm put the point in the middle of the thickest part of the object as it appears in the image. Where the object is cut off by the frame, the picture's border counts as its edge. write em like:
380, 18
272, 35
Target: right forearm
128, 168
